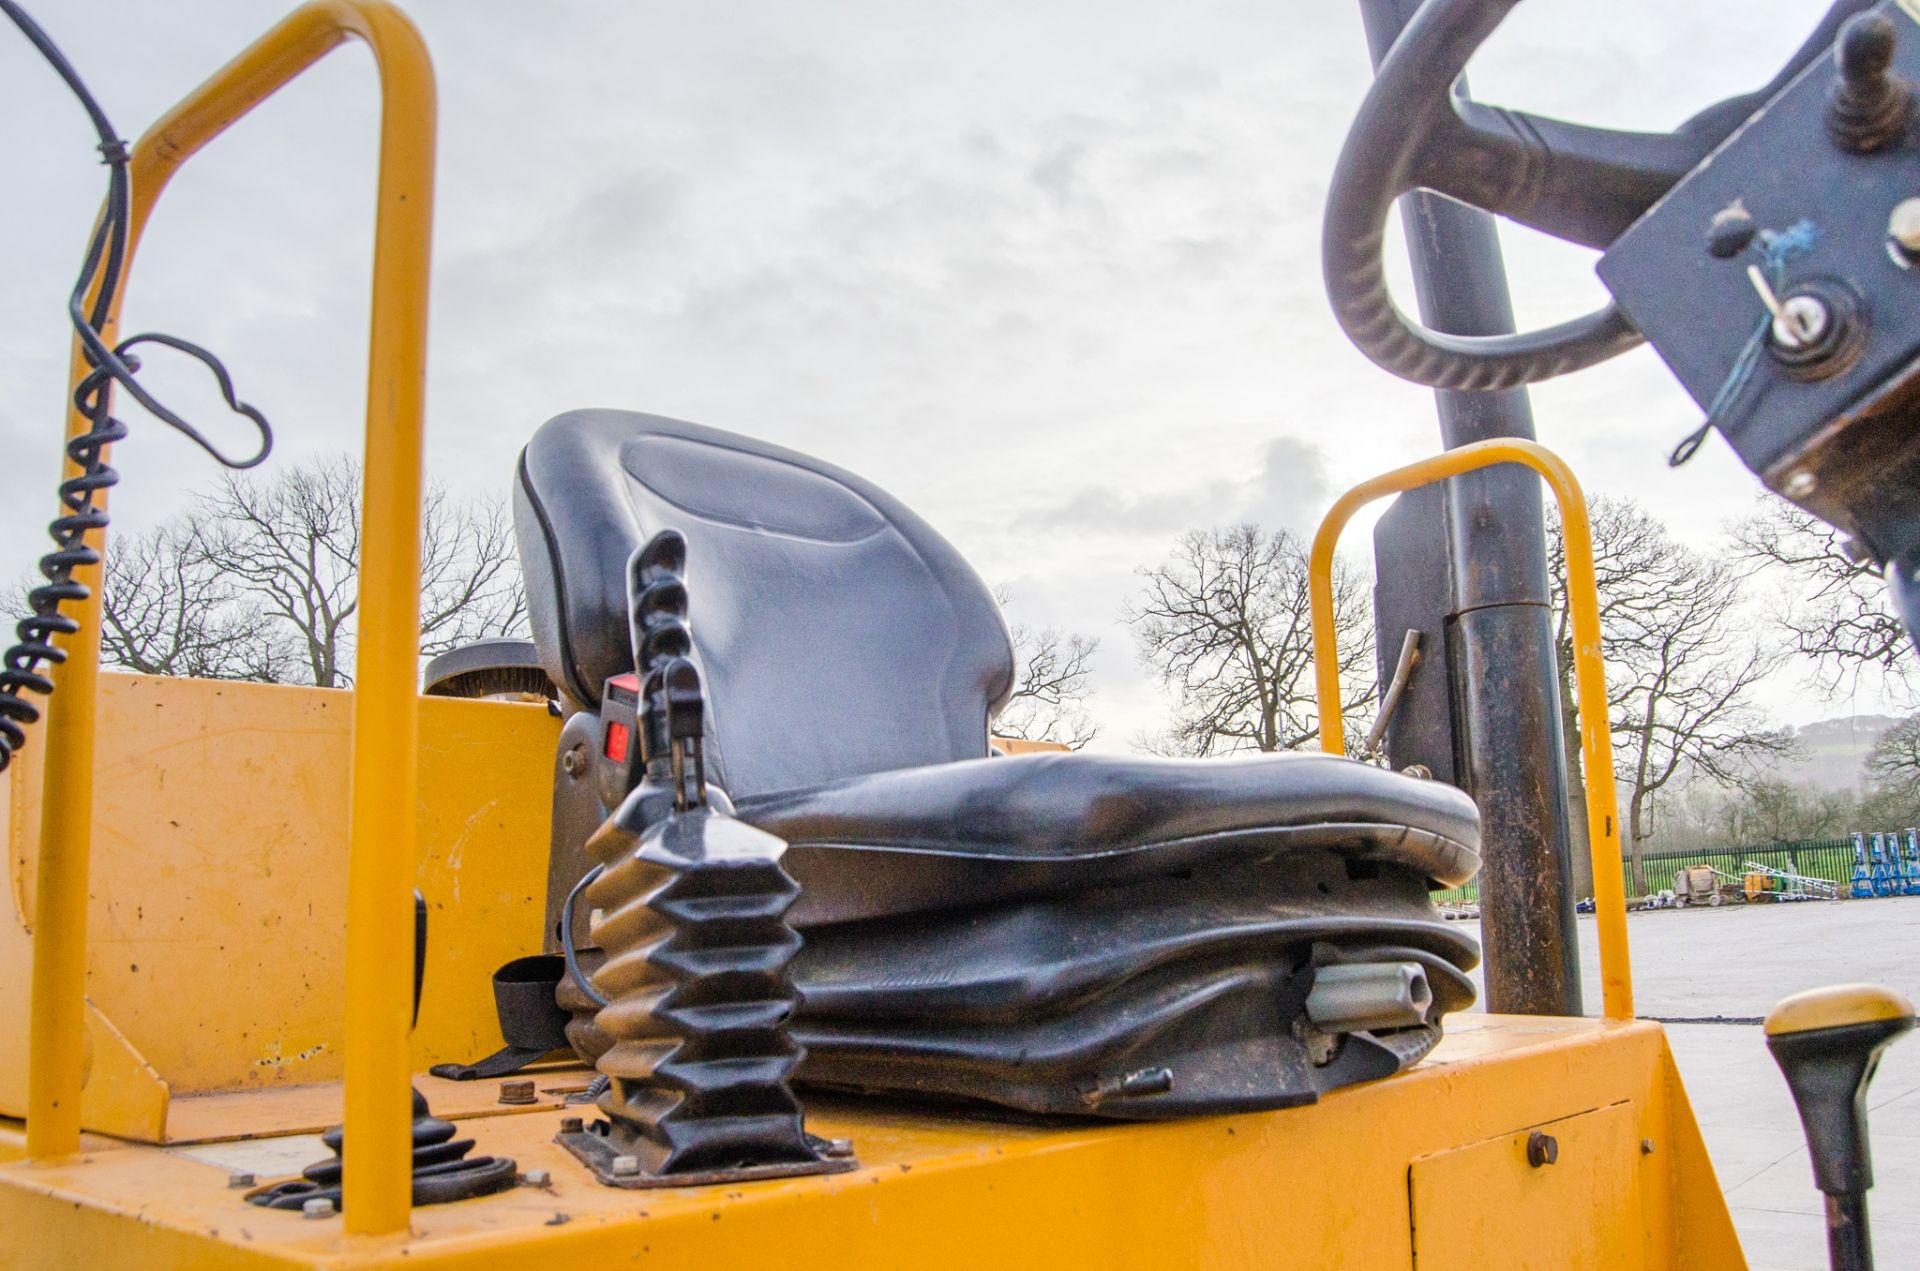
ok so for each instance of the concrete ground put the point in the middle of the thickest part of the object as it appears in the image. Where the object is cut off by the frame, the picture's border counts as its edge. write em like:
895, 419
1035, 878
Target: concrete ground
1736, 961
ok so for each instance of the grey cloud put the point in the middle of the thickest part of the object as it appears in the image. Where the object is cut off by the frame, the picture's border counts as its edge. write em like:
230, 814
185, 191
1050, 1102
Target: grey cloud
1291, 489
636, 207
1287, 490
1058, 173
1104, 509
985, 254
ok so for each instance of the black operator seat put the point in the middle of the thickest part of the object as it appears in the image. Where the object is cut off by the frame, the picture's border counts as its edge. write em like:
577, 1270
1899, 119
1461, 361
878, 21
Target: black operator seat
1035, 930
837, 634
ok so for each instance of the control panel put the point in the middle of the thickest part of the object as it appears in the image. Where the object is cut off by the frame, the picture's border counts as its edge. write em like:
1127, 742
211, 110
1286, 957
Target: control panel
1780, 281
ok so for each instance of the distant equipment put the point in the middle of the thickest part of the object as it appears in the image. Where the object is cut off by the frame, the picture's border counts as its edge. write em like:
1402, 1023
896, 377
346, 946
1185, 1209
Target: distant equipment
1764, 882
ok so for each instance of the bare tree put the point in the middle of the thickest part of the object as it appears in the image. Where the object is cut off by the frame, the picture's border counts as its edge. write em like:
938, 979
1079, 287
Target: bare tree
470, 584
1680, 670
259, 580
1053, 670
1226, 625
291, 541
1770, 810
1834, 612
1894, 803
1049, 699
1895, 757
1622, 543
168, 610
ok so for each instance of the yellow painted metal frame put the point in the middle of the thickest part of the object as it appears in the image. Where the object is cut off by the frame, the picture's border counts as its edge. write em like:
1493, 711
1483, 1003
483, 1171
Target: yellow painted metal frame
1338, 1184
188, 877
385, 723
1590, 677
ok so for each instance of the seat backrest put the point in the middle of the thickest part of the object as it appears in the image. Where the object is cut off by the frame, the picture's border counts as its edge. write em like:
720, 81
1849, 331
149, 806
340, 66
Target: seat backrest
837, 634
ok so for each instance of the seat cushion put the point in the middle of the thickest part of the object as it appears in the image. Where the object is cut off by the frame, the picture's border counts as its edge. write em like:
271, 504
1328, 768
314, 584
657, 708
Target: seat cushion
990, 830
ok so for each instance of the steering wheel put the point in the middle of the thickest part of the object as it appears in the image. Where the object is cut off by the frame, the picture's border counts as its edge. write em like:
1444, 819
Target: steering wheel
1584, 185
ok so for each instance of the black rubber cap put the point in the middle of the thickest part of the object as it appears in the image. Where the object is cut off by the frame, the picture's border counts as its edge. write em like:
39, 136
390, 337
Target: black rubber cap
487, 668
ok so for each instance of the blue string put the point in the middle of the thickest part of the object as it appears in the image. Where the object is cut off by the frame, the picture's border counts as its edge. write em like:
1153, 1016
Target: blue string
1777, 247
1742, 370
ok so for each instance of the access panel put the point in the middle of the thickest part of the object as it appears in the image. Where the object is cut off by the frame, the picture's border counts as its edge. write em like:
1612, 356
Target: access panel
1561, 1196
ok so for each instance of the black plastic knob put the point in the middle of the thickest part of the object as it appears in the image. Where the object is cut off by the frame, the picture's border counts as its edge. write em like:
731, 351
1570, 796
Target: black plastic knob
1869, 105
1865, 50
1828, 1042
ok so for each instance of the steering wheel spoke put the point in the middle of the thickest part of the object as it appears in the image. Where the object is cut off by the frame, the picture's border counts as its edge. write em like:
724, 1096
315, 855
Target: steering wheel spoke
1579, 183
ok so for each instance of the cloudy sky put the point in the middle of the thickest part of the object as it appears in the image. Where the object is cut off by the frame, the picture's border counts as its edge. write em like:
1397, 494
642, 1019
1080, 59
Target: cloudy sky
1047, 269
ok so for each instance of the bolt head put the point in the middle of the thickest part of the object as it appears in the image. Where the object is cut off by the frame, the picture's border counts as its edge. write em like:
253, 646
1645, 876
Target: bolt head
1542, 1149
1903, 225
319, 1207
1800, 484
536, 1178
572, 1125
240, 1179
624, 1165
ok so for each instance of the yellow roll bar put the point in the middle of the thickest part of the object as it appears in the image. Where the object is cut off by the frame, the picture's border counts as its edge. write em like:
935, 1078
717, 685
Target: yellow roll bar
381, 853
1590, 676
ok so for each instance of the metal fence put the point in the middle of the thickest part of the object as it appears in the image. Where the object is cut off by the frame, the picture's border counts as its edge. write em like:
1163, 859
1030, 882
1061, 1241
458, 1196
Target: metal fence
1831, 859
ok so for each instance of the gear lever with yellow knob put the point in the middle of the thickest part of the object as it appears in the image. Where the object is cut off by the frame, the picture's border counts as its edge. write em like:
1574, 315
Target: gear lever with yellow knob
1828, 1042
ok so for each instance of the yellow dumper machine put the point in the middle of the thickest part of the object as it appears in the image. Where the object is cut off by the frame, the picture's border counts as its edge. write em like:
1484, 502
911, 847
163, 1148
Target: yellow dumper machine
773, 958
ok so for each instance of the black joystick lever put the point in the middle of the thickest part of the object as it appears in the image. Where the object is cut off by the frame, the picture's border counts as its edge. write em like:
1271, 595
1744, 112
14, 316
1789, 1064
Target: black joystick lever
1828, 1042
1868, 106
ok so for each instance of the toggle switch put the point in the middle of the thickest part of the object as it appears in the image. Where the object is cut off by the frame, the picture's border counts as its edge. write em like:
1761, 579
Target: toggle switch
1869, 105
1799, 321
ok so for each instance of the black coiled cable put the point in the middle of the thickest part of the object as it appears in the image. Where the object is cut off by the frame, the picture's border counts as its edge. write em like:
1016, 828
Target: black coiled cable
22, 666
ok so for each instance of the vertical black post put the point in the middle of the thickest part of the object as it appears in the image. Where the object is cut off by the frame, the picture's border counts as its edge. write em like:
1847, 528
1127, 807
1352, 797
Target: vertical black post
1507, 688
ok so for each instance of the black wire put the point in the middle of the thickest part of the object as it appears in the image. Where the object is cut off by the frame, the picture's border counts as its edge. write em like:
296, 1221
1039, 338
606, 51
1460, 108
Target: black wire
22, 666
567, 950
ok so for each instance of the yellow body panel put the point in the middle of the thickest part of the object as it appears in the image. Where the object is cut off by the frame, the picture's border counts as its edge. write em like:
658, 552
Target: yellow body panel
219, 901
1465, 1200
1328, 1186
120, 1092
